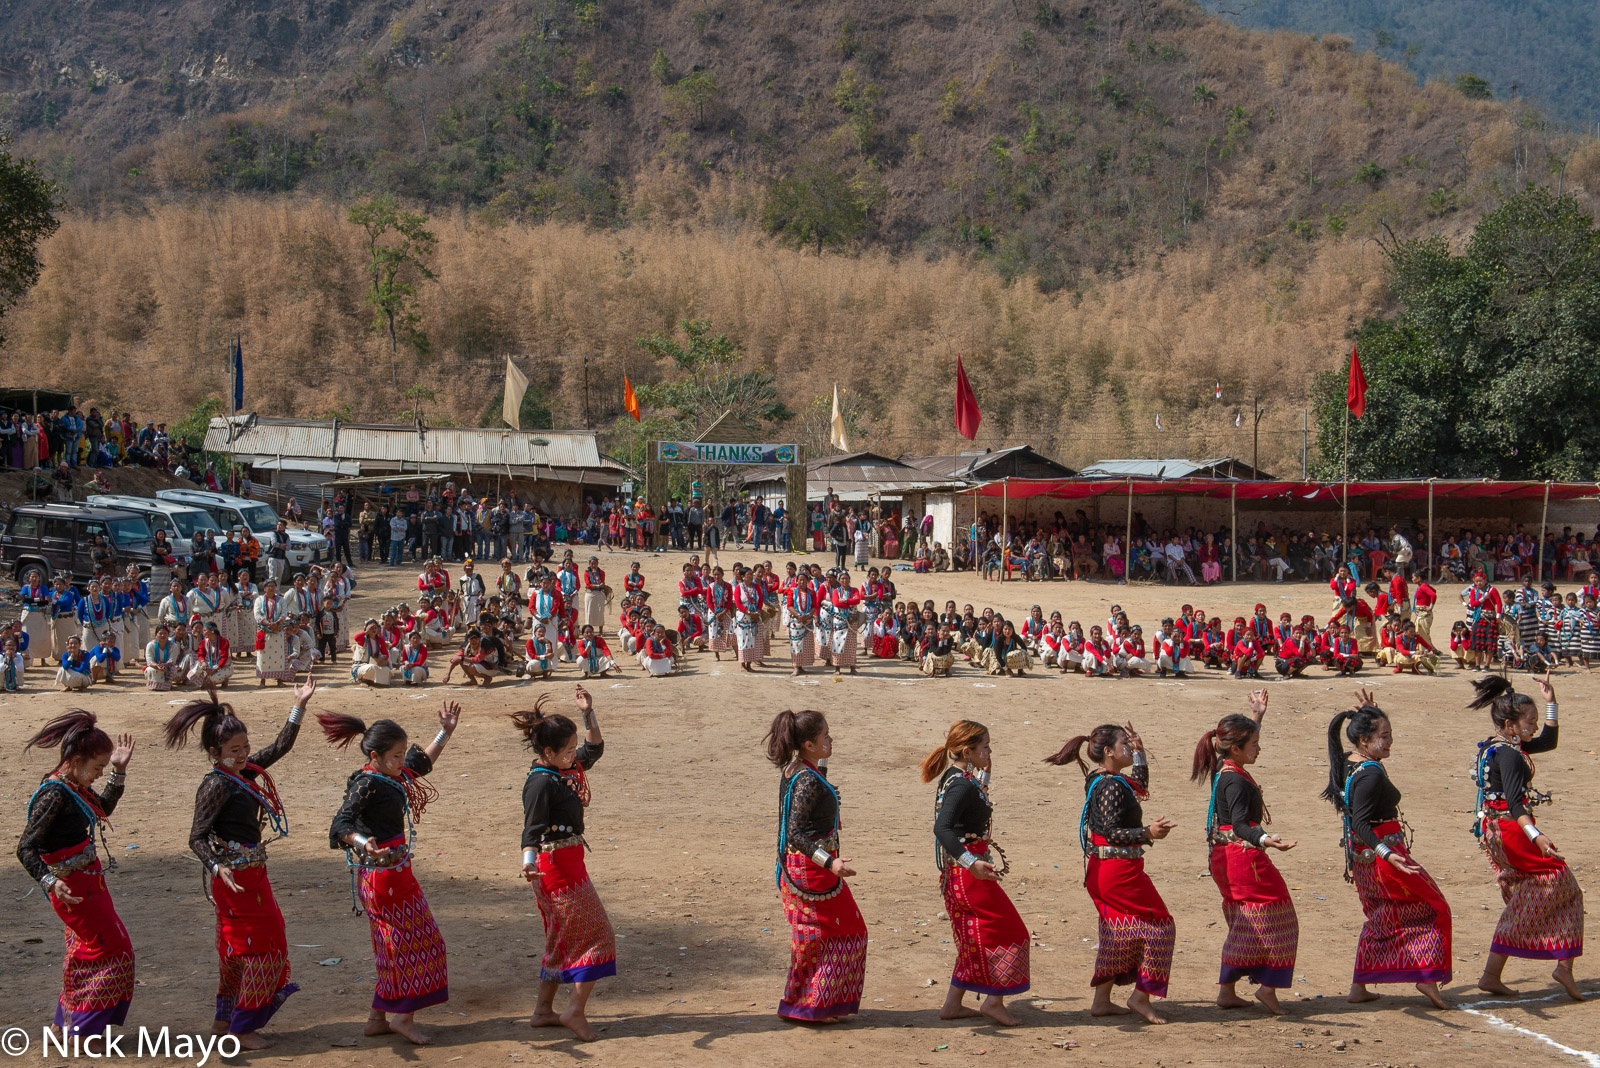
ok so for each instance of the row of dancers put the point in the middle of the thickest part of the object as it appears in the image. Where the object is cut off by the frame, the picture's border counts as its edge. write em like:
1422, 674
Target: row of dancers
238, 812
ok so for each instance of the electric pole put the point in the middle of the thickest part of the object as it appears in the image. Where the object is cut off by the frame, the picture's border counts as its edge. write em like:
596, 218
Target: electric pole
1255, 448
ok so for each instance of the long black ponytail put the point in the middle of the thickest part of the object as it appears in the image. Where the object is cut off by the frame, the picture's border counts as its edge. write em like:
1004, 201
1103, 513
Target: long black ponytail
1357, 723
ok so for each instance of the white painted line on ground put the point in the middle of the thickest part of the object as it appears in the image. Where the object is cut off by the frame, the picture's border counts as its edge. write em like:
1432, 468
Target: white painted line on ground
1589, 1058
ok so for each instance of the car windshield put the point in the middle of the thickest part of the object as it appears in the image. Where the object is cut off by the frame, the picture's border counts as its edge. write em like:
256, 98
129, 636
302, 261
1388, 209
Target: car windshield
128, 531
188, 524
262, 519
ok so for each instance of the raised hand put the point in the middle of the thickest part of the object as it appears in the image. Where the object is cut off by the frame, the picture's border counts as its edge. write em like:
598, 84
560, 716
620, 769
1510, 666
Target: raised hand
1258, 704
449, 715
1364, 697
303, 692
1134, 741
584, 701
1545, 689
123, 752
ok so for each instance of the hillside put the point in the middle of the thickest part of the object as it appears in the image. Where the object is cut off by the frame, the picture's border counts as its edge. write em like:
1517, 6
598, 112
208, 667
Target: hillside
1546, 51
1104, 207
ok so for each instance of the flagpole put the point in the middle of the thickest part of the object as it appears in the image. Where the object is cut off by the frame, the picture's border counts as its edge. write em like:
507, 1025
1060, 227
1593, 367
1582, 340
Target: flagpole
1344, 541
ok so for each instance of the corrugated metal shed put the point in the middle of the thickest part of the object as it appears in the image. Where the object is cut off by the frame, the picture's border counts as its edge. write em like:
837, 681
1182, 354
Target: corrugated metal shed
1215, 467
984, 465
544, 454
853, 476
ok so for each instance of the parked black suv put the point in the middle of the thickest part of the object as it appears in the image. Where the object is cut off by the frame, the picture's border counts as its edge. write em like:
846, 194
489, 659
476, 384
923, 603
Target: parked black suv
44, 540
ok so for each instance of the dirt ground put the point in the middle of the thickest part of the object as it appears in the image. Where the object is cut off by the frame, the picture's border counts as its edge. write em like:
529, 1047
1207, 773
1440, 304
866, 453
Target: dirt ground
682, 826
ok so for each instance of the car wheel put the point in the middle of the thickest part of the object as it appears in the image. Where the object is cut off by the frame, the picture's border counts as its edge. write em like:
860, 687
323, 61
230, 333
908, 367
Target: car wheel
34, 574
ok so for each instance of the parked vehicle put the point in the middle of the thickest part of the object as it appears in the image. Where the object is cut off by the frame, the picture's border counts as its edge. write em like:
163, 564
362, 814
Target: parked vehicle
42, 541
182, 522
305, 547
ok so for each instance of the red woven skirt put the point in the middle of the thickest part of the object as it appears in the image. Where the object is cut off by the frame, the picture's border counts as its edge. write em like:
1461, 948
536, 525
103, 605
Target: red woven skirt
579, 944
827, 943
1263, 930
1406, 938
991, 939
1543, 917
1136, 930
252, 950
97, 972
407, 948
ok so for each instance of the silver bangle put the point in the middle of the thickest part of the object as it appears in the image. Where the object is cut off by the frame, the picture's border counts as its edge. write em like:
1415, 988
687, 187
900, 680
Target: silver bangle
822, 858
1531, 831
530, 856
296, 714
1139, 759
359, 841
115, 776
48, 881
1550, 712
1383, 850
967, 859
440, 738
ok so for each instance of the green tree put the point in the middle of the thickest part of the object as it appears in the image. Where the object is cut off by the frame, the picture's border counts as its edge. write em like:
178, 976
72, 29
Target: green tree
661, 68
1479, 375
1473, 87
859, 100
28, 202
398, 244
692, 93
710, 382
816, 205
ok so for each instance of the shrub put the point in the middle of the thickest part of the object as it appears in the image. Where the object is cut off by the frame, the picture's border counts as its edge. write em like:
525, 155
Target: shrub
1371, 173
1473, 87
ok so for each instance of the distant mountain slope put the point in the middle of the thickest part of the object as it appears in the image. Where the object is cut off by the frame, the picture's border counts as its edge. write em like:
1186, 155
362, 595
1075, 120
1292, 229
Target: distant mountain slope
1549, 50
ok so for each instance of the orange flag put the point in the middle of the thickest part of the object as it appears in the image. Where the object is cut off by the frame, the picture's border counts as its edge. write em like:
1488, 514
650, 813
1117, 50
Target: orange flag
630, 400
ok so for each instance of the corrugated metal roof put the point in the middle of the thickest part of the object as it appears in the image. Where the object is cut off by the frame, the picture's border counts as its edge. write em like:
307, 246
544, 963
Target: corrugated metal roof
456, 448
1173, 468
862, 473
972, 466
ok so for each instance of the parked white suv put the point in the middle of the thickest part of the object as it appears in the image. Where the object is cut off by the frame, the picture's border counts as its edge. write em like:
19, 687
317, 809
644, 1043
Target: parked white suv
182, 522
305, 547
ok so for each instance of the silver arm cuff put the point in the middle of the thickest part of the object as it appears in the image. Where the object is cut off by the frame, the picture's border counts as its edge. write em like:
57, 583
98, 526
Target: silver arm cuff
1139, 759
441, 738
966, 859
48, 882
115, 776
822, 858
1551, 712
358, 842
1383, 851
1531, 831
530, 856
296, 714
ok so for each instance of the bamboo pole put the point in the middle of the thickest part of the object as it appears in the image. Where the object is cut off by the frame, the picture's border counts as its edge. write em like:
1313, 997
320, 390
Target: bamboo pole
1005, 526
1344, 539
1127, 544
1233, 507
1544, 517
1429, 547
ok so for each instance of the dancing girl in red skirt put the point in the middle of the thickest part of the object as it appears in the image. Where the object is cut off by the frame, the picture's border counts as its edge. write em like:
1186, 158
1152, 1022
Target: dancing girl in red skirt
375, 827
1406, 937
991, 939
1136, 930
1543, 915
1263, 930
57, 849
580, 946
233, 807
828, 937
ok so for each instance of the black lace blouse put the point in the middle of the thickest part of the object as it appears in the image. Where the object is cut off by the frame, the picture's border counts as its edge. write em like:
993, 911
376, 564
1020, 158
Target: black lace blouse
56, 821
1509, 772
1373, 800
375, 807
963, 815
1114, 812
551, 809
224, 810
813, 812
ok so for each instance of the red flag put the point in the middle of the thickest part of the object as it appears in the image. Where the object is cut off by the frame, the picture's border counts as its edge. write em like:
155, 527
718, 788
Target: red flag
1355, 394
967, 415
630, 400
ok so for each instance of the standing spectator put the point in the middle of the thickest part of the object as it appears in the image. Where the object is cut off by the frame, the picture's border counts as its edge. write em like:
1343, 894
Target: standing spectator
694, 521
365, 524
431, 521
397, 538
341, 536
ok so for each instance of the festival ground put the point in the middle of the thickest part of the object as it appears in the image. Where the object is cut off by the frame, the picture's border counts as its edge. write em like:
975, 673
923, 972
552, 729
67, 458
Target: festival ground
682, 825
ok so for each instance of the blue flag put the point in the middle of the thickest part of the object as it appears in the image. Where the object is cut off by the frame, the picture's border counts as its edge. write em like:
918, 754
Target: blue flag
238, 376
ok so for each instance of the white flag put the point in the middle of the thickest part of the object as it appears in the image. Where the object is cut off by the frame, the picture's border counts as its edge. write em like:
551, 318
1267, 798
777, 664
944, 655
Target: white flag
516, 386
836, 436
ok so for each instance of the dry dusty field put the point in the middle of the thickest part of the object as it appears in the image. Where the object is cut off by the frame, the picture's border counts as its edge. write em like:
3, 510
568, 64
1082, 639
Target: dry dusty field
682, 826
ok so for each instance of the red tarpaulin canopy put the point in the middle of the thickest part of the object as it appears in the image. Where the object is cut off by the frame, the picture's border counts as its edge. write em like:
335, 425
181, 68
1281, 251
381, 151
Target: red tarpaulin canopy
1331, 492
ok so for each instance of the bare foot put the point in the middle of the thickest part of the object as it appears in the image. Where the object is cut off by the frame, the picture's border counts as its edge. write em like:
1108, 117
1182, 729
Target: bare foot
1139, 1002
544, 1018
1269, 999
1563, 975
578, 1025
253, 1040
1109, 1010
377, 1025
1360, 993
960, 1012
1227, 999
1431, 992
997, 1011
1495, 986
219, 1027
